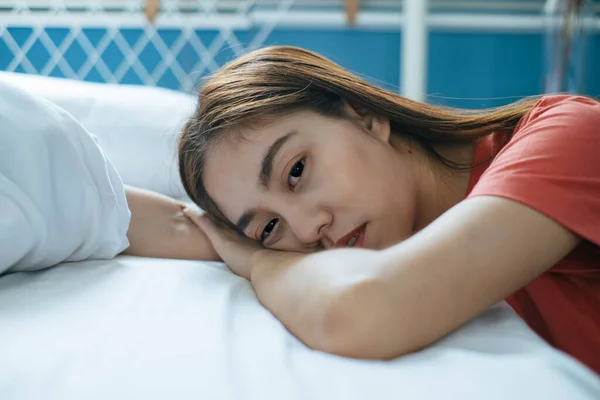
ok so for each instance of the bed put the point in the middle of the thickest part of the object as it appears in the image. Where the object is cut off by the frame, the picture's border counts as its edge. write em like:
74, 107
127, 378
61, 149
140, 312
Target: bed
78, 323
135, 328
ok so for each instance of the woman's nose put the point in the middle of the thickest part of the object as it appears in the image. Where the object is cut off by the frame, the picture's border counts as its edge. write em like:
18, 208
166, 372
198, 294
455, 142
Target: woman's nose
310, 226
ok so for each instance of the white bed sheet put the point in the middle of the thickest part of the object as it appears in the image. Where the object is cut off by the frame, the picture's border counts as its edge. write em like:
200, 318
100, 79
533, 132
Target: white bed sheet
136, 328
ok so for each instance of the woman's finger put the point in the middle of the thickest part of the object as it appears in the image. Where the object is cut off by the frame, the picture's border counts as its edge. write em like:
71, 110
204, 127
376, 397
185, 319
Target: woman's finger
191, 210
203, 222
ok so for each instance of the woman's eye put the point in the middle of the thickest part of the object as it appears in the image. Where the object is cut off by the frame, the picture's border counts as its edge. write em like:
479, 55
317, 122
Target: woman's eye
268, 229
296, 173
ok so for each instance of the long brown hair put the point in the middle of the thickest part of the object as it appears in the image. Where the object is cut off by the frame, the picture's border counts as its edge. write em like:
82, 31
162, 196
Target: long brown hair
275, 81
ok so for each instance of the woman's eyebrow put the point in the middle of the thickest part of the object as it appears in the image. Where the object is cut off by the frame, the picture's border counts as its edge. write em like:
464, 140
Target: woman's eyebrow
264, 177
243, 221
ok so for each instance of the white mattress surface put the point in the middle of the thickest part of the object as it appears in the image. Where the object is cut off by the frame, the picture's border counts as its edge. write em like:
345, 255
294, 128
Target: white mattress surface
137, 328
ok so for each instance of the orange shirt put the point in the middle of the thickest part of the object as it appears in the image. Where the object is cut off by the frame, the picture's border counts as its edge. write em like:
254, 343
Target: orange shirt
551, 163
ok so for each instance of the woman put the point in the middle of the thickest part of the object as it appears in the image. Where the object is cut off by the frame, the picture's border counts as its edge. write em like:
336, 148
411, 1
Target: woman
429, 216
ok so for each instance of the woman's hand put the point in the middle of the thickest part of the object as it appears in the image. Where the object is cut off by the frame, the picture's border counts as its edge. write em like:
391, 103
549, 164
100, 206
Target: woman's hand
234, 250
316, 296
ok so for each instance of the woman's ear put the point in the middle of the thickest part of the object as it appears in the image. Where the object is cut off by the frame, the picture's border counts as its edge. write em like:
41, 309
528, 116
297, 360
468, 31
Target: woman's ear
378, 126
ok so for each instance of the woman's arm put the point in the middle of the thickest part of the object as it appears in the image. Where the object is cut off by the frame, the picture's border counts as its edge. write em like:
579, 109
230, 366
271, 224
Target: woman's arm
384, 304
159, 228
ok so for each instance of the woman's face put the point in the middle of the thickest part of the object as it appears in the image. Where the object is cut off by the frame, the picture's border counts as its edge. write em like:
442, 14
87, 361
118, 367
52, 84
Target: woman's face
306, 181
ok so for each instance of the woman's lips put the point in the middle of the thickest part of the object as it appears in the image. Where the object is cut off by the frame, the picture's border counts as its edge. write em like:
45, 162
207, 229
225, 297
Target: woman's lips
354, 238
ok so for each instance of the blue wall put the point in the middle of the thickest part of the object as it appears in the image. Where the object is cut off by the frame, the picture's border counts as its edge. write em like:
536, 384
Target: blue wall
471, 70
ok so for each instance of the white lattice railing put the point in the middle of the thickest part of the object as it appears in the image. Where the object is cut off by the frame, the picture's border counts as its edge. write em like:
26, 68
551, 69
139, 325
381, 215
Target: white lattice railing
28, 31
112, 40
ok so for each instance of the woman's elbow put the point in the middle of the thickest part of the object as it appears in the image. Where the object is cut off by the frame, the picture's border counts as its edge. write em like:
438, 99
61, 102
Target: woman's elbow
357, 324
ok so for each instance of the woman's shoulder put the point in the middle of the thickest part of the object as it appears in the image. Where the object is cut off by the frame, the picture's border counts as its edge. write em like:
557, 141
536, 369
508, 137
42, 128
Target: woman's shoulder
549, 110
550, 101
551, 163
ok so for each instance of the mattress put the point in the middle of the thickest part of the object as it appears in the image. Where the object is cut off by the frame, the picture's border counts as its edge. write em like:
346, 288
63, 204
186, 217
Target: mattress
140, 328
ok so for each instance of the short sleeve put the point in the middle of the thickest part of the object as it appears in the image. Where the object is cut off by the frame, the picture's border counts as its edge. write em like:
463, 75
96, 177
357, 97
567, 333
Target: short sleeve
552, 164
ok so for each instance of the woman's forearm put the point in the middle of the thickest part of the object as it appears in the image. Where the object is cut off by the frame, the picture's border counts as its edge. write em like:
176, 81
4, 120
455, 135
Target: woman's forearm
307, 293
285, 286
383, 304
159, 229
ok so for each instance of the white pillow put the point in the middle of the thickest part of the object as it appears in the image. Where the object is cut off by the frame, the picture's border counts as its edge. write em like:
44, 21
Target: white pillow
136, 126
60, 197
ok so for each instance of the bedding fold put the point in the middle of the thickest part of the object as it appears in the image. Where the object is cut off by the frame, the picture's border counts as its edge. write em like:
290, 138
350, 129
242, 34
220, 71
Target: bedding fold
60, 197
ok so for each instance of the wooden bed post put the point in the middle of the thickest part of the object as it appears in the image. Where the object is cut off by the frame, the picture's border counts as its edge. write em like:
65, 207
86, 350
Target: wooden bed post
351, 11
152, 8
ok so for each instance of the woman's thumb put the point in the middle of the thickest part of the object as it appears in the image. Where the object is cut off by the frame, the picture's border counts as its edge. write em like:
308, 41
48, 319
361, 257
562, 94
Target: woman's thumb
200, 218
197, 216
